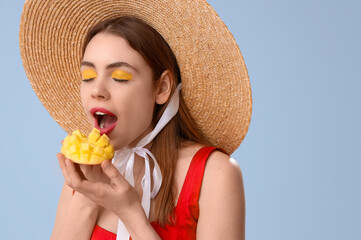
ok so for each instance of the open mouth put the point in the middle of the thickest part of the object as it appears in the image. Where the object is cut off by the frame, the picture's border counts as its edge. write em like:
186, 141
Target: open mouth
105, 121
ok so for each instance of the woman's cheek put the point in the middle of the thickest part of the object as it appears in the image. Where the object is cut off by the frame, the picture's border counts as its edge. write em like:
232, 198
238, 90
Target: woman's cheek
142, 114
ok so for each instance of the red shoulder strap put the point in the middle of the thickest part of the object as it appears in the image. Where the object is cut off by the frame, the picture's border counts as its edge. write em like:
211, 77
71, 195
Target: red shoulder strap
192, 184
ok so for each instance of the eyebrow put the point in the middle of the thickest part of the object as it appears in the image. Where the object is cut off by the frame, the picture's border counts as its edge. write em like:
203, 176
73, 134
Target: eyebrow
112, 65
88, 64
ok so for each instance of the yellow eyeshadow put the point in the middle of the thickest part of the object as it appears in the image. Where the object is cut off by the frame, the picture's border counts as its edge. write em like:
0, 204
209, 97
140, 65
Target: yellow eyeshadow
89, 73
121, 75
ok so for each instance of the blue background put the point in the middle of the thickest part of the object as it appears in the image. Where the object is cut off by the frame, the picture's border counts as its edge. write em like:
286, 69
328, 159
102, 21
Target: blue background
300, 158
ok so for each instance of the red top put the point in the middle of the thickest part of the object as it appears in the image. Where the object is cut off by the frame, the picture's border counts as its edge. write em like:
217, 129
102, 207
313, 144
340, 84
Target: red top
187, 209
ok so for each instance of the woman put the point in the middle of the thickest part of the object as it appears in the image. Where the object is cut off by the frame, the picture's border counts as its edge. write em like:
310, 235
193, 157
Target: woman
158, 186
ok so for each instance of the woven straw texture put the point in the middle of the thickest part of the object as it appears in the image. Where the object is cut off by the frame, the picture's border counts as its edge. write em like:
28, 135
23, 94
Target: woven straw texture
216, 87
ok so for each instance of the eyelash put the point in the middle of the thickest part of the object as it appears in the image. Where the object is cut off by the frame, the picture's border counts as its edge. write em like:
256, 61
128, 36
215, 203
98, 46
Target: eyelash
115, 79
120, 80
87, 80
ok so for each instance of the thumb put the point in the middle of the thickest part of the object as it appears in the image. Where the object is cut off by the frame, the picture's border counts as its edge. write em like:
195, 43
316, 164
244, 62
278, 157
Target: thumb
112, 172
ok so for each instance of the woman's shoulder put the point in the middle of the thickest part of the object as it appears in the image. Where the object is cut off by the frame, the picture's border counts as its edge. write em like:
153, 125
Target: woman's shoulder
221, 164
222, 180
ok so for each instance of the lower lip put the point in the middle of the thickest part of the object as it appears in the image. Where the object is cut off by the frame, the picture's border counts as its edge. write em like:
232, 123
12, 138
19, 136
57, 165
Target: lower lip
105, 130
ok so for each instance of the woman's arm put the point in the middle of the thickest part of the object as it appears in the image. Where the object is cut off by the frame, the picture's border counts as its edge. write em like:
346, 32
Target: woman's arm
222, 200
63, 205
76, 215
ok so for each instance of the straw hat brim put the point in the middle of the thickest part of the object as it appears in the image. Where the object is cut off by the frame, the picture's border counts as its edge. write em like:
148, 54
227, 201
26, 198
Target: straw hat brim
216, 87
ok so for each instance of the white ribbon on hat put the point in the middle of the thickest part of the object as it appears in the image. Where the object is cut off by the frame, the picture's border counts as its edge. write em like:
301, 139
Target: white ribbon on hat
124, 162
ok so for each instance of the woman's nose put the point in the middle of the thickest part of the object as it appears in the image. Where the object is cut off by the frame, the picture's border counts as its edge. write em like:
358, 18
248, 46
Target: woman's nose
100, 91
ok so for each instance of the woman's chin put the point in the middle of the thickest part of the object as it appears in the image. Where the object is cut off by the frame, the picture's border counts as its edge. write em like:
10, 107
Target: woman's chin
118, 146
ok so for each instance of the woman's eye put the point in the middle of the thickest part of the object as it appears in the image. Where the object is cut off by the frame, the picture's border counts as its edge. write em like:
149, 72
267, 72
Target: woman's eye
120, 80
88, 74
121, 76
87, 80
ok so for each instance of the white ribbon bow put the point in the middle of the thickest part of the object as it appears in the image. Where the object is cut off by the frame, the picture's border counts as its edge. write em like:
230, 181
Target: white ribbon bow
124, 162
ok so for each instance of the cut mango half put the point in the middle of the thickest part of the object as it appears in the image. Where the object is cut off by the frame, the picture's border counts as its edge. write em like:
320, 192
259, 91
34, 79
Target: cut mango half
90, 150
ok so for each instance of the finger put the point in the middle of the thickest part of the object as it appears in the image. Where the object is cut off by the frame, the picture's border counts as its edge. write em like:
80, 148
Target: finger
62, 141
97, 169
61, 160
112, 172
85, 169
74, 177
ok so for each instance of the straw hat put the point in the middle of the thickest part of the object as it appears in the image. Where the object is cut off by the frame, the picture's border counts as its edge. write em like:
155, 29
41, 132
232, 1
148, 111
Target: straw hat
216, 87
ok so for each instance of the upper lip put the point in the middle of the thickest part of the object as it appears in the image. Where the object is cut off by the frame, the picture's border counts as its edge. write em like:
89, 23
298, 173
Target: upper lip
100, 109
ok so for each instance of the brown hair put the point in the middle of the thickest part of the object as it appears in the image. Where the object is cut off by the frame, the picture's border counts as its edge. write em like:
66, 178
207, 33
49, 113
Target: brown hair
156, 52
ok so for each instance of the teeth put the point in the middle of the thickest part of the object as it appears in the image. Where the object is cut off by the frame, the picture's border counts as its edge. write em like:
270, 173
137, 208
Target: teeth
101, 125
100, 113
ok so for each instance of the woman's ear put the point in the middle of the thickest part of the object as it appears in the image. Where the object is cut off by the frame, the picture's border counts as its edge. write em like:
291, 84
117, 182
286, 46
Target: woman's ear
164, 87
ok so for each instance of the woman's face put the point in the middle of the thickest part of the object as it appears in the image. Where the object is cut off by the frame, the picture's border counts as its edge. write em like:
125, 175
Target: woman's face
117, 90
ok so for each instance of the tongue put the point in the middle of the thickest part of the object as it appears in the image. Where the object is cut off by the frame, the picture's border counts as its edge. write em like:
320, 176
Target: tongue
108, 120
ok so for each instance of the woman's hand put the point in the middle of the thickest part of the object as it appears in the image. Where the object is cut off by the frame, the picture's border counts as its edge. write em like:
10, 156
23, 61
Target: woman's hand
104, 185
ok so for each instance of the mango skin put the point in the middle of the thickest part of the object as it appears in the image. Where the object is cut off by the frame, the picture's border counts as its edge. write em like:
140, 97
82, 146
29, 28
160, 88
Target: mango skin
91, 150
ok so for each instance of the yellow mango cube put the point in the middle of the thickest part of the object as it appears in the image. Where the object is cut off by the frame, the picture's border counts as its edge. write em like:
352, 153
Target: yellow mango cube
85, 148
84, 157
75, 140
94, 135
108, 155
66, 144
63, 149
98, 151
102, 141
73, 149
75, 157
79, 134
94, 159
109, 149
66, 152
108, 152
